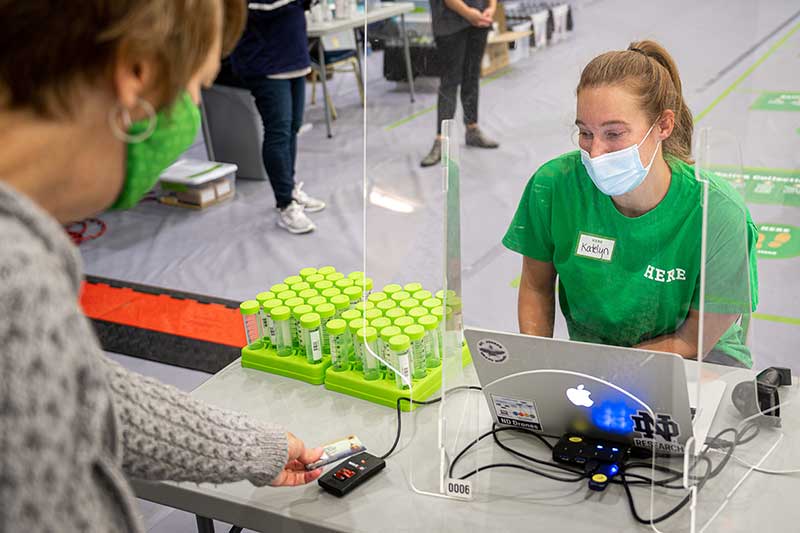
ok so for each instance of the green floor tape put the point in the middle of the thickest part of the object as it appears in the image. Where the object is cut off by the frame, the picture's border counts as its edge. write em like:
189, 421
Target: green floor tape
774, 186
745, 74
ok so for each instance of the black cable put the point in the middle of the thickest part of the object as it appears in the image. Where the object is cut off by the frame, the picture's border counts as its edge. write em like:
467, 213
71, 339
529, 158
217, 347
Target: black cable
427, 402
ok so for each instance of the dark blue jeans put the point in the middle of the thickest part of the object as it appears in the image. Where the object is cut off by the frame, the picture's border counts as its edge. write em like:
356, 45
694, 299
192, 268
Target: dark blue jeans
280, 104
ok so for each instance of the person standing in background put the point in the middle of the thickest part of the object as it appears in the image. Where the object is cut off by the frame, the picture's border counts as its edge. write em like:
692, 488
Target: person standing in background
272, 61
460, 28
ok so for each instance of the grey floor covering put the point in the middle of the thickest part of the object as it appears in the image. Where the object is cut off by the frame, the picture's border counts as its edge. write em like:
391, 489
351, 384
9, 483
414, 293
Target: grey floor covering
235, 250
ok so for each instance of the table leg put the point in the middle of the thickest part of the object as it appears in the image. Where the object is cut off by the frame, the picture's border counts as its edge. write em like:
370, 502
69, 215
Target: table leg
204, 525
323, 76
408, 57
360, 47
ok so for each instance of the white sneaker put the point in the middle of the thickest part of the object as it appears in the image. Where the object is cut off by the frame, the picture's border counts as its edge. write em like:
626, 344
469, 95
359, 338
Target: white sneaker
312, 205
294, 220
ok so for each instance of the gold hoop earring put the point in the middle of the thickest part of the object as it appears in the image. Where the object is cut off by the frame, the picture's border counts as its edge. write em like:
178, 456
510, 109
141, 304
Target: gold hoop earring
125, 117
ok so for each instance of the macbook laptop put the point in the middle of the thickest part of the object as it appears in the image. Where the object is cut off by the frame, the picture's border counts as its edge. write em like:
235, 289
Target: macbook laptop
554, 387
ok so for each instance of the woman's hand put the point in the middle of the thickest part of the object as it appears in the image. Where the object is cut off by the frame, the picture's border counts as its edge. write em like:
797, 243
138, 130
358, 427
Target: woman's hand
295, 473
477, 19
489, 12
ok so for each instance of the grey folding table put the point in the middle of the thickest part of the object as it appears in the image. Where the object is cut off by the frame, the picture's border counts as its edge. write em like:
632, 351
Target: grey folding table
386, 10
505, 500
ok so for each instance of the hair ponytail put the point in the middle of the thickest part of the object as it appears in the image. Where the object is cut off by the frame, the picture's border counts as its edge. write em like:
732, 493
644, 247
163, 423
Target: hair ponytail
648, 70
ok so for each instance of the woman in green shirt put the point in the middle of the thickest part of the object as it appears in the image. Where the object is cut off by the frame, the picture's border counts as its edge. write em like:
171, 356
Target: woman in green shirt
620, 223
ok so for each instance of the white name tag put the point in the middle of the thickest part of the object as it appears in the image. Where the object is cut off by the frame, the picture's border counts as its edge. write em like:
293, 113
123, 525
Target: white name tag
595, 247
458, 488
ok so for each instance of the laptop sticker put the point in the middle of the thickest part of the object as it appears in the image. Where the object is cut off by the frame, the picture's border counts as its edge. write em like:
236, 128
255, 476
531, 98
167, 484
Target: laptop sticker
663, 433
492, 351
515, 412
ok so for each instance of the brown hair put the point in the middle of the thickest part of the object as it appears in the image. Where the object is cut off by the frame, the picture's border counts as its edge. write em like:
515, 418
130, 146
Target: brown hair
647, 70
51, 47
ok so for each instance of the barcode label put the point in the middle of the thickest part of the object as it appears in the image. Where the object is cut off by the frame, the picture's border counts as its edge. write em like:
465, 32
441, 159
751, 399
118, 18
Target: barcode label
403, 365
273, 334
316, 346
334, 354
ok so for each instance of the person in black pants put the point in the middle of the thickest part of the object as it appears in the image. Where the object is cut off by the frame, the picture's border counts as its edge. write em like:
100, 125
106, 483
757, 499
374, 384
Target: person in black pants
460, 28
272, 60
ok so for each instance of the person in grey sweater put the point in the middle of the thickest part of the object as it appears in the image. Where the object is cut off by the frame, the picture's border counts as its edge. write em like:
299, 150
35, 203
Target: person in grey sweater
87, 120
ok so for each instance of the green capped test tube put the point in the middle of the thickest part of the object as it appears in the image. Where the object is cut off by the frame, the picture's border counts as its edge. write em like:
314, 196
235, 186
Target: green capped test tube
291, 280
306, 272
267, 308
409, 304
337, 344
283, 333
364, 306
300, 287
432, 303
251, 320
354, 293
372, 314
314, 279
412, 287
399, 347
334, 277
386, 334
330, 293
297, 314
348, 315
343, 283
307, 294
403, 322
394, 313
278, 288
357, 274
341, 303
356, 357
261, 298
367, 345
316, 300
312, 337
385, 305
326, 312
391, 289
399, 296
322, 285
377, 297
286, 295
433, 354
421, 296
418, 312
419, 362
326, 270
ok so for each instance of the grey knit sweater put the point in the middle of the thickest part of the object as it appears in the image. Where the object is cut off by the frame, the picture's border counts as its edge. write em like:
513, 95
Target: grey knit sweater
73, 423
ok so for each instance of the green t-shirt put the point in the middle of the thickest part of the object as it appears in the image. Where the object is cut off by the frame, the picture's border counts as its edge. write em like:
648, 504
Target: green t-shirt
625, 280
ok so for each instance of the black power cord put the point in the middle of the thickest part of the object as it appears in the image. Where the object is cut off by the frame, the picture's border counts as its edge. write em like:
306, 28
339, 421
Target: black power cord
625, 475
426, 402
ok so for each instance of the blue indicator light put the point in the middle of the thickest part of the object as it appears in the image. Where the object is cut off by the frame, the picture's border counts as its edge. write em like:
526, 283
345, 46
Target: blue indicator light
599, 446
614, 449
614, 469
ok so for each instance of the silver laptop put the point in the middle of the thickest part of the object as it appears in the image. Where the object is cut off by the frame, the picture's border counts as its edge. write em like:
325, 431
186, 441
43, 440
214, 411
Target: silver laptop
627, 395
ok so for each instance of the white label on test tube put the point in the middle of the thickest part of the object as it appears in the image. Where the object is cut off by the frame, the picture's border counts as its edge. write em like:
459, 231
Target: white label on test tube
316, 346
334, 354
404, 367
273, 334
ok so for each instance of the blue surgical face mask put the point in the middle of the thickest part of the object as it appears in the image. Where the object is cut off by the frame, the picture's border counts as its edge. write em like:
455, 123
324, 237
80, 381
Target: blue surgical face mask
619, 172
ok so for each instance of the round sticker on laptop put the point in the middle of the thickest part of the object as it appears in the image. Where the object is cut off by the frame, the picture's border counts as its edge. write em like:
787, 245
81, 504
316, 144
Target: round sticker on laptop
492, 351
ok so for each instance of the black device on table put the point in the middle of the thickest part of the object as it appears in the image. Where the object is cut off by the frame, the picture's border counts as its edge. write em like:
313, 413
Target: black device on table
351, 473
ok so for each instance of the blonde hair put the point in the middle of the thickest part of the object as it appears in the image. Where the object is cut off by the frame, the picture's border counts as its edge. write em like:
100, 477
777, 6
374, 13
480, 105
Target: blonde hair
649, 72
46, 57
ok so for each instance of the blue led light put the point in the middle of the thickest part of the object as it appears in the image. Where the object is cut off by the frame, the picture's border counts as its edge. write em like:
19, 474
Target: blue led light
613, 417
614, 449
599, 446
614, 469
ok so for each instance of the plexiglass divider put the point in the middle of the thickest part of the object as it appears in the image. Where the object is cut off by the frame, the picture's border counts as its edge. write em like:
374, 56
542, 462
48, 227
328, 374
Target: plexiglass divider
743, 435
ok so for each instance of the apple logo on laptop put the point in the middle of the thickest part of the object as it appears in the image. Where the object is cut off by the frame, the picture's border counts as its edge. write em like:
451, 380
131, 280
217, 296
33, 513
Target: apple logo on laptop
580, 396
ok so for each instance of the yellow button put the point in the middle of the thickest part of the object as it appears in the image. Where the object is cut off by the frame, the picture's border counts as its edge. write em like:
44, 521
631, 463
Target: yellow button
599, 478
575, 439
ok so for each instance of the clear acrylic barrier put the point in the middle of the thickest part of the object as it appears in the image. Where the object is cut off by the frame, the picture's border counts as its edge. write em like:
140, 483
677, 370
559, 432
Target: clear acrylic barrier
744, 436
